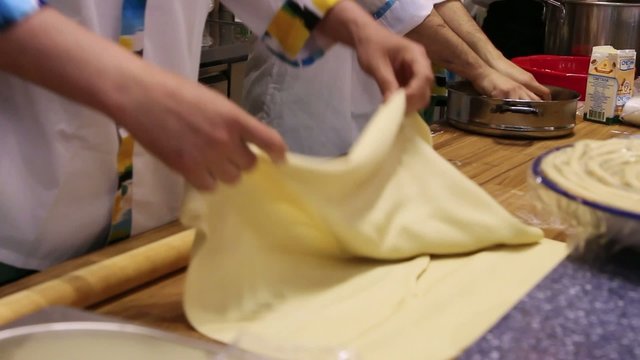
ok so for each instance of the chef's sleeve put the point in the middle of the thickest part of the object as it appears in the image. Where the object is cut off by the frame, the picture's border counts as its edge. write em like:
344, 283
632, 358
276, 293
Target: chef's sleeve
286, 27
399, 16
12, 11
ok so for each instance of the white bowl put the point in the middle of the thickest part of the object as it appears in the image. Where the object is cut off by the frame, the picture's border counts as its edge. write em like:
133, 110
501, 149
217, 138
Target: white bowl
587, 217
81, 340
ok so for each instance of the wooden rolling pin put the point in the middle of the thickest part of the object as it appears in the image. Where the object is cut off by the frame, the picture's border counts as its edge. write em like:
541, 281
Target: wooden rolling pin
97, 282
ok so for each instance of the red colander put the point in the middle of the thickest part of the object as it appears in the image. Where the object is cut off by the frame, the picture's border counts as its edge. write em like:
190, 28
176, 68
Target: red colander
569, 72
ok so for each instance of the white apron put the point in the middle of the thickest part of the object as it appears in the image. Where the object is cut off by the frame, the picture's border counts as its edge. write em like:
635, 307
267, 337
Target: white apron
321, 109
58, 158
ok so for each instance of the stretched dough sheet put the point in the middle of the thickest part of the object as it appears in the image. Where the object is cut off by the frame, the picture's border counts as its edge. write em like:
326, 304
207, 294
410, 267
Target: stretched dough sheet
336, 253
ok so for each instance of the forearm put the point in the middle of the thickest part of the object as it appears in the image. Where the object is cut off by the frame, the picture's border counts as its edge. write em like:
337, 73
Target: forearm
53, 51
341, 23
458, 19
194, 131
447, 49
345, 22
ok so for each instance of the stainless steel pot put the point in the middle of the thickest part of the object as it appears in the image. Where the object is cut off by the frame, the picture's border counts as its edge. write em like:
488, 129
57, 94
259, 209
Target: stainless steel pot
574, 27
468, 110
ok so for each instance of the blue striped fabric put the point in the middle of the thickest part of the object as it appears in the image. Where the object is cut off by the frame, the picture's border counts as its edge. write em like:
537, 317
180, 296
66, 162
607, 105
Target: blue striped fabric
318, 53
303, 62
383, 9
12, 11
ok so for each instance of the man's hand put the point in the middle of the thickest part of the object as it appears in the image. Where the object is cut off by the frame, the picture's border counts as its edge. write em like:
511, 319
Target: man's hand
396, 62
517, 74
493, 84
196, 131
390, 59
459, 21
192, 129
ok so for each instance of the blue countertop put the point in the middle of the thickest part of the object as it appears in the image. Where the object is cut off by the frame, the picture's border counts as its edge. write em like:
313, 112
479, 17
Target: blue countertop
588, 307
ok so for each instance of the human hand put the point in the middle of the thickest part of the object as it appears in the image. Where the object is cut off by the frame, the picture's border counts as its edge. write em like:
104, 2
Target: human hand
394, 62
192, 129
196, 131
390, 59
517, 74
493, 84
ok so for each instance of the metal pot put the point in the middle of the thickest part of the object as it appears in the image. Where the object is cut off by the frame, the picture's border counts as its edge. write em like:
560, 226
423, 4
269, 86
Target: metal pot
468, 110
574, 27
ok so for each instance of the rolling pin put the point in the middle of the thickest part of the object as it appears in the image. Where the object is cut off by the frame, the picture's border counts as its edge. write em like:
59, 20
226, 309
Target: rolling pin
100, 281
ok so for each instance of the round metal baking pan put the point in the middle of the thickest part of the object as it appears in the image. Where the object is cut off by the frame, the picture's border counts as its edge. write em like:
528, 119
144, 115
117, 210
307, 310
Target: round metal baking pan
470, 111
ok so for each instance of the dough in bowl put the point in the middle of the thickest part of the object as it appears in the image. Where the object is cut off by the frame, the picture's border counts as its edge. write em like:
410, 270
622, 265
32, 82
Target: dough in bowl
603, 171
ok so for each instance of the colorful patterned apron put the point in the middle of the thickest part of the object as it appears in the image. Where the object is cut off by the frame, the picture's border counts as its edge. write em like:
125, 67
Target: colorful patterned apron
132, 38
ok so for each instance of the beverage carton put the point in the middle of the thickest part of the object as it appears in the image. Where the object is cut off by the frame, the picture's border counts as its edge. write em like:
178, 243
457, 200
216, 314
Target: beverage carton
609, 84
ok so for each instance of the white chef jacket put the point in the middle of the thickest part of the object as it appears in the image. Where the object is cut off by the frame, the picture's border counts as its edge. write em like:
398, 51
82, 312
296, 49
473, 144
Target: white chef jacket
58, 158
321, 109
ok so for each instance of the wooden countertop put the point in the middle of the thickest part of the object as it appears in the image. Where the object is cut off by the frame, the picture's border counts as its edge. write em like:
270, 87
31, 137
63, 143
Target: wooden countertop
500, 166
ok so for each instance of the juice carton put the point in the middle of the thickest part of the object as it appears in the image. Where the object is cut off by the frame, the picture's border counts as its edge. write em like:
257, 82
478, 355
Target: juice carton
609, 84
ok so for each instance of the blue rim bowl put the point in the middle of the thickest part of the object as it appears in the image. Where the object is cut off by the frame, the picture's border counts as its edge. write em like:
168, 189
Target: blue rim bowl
615, 223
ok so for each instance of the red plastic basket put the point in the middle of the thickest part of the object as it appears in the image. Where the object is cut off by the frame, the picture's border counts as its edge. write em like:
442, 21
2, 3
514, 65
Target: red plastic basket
568, 72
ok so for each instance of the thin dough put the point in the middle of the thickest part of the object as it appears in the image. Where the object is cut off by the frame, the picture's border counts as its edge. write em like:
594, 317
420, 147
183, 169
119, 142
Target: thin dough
334, 253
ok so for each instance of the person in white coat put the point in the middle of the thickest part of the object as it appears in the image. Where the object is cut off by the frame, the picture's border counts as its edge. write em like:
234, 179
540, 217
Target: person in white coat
66, 87
329, 124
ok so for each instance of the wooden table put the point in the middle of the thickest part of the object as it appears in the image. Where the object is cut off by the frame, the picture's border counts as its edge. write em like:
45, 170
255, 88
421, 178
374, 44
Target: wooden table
500, 166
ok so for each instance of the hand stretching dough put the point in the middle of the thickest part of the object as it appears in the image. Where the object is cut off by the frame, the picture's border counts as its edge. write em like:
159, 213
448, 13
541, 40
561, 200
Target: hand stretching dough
323, 253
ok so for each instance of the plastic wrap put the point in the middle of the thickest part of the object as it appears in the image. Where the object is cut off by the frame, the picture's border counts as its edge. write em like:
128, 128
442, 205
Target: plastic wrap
520, 204
592, 188
631, 111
